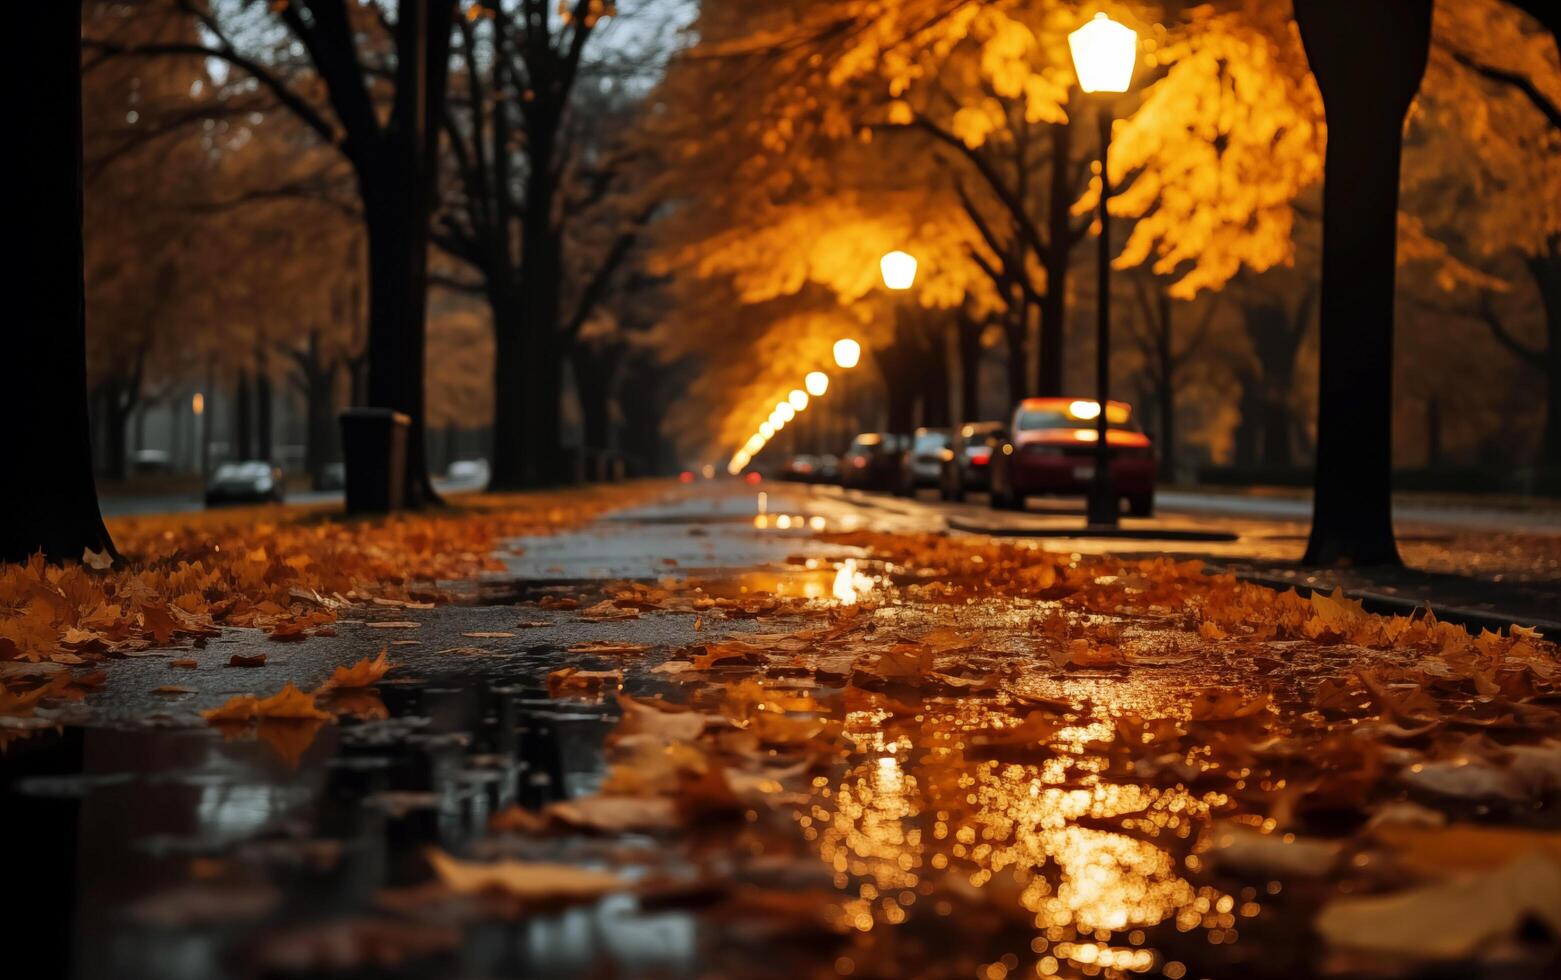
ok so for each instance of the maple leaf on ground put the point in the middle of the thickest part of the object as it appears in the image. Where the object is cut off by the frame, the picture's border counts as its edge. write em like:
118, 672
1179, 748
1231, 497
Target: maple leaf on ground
364, 673
16, 705
288, 704
526, 880
1449, 919
1082, 653
571, 681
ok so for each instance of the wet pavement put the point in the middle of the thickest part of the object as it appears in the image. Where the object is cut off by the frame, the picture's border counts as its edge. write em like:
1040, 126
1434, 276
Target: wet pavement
920, 841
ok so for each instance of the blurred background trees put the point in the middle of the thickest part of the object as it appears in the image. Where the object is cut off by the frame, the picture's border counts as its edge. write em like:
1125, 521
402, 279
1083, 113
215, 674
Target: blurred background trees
654, 217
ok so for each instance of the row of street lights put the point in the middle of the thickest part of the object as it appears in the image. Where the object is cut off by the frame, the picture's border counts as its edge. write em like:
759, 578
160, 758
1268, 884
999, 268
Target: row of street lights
898, 270
1104, 53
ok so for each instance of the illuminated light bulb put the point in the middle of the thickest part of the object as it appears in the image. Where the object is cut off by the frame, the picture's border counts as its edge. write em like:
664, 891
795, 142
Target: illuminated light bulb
798, 399
817, 382
898, 269
1103, 54
847, 352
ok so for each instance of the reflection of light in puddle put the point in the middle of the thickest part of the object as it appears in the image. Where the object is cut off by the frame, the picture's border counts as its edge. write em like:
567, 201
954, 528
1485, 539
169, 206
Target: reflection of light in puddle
915, 812
786, 522
849, 583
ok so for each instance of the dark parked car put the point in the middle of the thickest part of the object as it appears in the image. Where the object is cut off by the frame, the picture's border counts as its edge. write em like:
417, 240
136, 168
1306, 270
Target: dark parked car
922, 462
872, 462
1050, 449
828, 469
968, 465
801, 468
248, 482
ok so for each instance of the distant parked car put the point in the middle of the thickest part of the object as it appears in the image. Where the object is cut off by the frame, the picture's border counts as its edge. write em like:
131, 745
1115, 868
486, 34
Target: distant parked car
828, 469
968, 465
922, 461
150, 461
250, 481
872, 462
1050, 449
467, 471
801, 468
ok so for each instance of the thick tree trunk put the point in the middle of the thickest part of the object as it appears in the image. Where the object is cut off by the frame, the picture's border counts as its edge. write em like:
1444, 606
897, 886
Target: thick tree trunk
243, 420
1546, 272
510, 469
593, 389
396, 186
396, 311
969, 342
320, 411
1368, 60
116, 456
541, 278
1014, 338
51, 505
1251, 406
935, 383
264, 409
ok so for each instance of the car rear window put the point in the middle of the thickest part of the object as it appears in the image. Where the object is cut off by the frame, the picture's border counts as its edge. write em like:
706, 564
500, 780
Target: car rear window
1036, 418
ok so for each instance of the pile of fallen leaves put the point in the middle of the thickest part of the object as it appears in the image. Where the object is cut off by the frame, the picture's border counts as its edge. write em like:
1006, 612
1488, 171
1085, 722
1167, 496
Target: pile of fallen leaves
288, 573
1016, 767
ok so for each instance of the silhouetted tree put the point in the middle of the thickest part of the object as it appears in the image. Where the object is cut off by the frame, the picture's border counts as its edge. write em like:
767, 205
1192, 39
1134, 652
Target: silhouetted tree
48, 500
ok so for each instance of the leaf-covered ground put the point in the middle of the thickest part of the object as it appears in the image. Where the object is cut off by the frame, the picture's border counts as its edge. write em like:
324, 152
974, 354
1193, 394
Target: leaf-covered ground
923, 755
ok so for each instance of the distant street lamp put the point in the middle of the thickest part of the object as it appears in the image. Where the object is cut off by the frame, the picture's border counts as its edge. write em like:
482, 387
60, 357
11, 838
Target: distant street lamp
847, 353
898, 269
198, 407
1103, 55
817, 382
798, 399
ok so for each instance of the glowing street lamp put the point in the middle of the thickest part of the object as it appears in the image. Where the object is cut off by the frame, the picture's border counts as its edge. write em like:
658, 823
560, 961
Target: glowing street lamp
817, 382
1103, 55
798, 399
785, 411
898, 269
766, 430
847, 353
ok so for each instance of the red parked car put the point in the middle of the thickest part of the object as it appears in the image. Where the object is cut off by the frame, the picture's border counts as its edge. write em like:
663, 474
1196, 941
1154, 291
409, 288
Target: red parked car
1049, 448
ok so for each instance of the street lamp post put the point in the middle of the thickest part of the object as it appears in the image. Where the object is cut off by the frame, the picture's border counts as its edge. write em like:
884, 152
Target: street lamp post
898, 270
1103, 55
817, 382
847, 353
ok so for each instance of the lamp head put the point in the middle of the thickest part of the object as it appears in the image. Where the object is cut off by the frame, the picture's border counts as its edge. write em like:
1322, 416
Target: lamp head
1103, 54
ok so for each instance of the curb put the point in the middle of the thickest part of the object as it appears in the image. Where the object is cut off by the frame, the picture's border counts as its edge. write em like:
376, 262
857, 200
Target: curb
1121, 533
1472, 620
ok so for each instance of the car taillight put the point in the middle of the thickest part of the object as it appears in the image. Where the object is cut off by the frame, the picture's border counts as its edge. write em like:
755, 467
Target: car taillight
981, 458
686, 477
859, 461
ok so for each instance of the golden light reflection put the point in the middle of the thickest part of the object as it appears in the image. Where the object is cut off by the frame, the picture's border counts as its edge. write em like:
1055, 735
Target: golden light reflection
850, 584
1094, 862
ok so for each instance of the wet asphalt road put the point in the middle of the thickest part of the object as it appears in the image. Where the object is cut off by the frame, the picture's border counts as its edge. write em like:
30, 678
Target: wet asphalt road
151, 846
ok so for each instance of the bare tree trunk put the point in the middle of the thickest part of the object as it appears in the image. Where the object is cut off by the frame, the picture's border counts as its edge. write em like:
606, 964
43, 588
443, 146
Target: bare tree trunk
54, 510
969, 342
243, 423
264, 444
1368, 60
1546, 273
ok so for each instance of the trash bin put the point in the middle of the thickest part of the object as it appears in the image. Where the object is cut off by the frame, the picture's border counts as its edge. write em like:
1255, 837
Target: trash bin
374, 448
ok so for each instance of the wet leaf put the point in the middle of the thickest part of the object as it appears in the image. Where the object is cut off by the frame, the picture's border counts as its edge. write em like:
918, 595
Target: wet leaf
1449, 919
363, 673
530, 881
